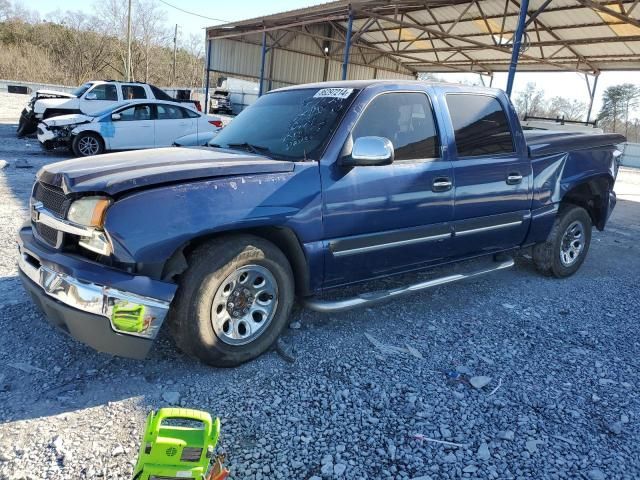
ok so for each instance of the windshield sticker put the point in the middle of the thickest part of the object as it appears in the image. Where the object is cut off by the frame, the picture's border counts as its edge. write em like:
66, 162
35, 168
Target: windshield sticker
333, 93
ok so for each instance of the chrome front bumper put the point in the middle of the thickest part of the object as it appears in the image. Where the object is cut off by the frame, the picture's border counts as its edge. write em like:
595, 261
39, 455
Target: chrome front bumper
96, 299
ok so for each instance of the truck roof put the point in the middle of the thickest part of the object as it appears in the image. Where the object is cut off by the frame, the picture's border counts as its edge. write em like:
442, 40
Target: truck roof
362, 84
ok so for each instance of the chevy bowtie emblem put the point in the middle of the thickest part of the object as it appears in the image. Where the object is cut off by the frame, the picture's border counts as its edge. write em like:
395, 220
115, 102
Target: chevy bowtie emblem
35, 214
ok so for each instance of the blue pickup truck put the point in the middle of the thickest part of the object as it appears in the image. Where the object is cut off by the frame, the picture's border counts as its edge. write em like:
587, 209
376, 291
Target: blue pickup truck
312, 188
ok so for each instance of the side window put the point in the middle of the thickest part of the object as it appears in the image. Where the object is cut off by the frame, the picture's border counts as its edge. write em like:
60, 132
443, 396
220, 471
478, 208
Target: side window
137, 112
189, 113
105, 91
404, 118
480, 125
133, 92
168, 112
159, 94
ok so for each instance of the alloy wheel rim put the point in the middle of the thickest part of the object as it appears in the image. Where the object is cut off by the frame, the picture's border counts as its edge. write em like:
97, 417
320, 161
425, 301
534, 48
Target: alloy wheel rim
572, 243
244, 305
88, 146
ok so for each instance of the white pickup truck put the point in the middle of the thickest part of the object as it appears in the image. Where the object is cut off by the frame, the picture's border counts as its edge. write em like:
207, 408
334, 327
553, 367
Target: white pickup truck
89, 98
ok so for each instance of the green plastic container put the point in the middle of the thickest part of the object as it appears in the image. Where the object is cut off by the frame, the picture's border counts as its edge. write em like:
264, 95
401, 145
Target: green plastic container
177, 452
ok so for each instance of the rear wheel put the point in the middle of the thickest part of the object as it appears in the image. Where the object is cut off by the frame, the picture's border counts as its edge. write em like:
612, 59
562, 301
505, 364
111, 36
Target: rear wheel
86, 144
233, 300
567, 245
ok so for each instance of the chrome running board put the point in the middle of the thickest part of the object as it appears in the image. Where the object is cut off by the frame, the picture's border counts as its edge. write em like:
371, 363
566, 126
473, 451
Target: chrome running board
366, 299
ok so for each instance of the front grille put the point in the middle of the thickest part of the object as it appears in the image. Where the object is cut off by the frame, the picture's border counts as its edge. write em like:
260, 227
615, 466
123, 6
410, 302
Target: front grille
55, 201
52, 198
48, 234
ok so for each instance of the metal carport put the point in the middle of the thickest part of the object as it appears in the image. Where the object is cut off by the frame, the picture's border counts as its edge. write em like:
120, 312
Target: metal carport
401, 39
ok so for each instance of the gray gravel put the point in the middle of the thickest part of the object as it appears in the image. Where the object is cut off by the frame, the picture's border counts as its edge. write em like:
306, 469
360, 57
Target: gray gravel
562, 357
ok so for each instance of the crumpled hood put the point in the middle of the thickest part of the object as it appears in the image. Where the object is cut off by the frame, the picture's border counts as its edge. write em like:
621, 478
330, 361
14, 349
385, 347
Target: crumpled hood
42, 104
56, 93
71, 119
115, 173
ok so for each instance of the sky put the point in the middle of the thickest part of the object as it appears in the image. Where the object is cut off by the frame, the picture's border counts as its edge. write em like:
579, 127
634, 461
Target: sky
568, 85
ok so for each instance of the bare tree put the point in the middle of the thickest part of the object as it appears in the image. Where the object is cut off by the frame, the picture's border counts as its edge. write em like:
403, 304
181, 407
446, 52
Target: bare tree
530, 101
569, 109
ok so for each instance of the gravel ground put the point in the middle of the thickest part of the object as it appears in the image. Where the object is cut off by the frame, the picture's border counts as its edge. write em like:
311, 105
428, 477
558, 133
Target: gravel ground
368, 390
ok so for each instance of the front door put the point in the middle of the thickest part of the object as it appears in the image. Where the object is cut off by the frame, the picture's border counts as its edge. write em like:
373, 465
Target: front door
99, 98
384, 219
492, 176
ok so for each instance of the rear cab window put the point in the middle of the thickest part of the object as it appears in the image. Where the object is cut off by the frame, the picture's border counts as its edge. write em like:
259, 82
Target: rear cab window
133, 92
480, 125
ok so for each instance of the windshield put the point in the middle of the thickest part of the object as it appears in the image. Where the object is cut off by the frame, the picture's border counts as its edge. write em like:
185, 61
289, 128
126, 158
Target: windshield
78, 92
288, 125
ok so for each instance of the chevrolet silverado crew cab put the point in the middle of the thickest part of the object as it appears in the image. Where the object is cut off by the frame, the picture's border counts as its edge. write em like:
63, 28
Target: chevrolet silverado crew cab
312, 188
88, 99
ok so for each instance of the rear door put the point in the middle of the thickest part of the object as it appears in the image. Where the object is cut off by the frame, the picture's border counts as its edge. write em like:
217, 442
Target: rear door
172, 122
389, 218
134, 129
492, 174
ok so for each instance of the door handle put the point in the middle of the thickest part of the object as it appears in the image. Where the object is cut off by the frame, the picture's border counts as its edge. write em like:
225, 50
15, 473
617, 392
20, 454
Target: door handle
441, 184
514, 178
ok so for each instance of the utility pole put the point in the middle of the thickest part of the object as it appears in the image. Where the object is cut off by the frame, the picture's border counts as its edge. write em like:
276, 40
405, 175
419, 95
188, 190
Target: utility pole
175, 42
129, 43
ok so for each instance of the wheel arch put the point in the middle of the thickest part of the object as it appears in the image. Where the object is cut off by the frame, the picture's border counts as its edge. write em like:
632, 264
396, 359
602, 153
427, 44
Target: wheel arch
105, 145
592, 194
282, 237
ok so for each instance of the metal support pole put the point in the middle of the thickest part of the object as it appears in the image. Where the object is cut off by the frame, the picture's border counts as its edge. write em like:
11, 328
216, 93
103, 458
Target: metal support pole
347, 46
262, 60
206, 78
517, 42
128, 69
592, 94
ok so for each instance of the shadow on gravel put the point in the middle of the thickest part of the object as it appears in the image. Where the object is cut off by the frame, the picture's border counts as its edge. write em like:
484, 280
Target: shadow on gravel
24, 157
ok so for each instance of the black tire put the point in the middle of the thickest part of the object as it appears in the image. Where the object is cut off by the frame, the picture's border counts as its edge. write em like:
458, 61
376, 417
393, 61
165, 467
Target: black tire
547, 255
26, 125
77, 145
191, 318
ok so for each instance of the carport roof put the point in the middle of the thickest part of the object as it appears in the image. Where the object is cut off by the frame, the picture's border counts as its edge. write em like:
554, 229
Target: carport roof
462, 36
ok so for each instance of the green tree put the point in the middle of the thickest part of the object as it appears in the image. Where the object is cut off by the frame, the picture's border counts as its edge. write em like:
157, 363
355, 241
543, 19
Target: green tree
618, 102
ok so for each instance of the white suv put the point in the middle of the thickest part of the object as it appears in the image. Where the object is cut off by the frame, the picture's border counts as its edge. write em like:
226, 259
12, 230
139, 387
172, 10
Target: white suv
88, 99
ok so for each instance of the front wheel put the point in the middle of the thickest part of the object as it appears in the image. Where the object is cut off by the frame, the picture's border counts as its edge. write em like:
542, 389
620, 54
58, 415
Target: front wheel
233, 301
566, 247
86, 144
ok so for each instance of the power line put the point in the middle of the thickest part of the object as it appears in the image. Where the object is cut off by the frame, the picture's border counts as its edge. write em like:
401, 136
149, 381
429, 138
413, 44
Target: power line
192, 13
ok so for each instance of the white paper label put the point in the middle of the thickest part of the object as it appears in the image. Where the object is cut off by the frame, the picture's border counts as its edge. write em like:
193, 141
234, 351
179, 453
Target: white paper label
333, 93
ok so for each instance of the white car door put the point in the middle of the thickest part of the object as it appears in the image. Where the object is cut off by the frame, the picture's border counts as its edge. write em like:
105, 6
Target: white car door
98, 98
172, 122
132, 127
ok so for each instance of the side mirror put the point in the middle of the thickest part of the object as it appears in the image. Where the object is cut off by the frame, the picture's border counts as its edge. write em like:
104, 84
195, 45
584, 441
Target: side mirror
115, 116
370, 151
91, 96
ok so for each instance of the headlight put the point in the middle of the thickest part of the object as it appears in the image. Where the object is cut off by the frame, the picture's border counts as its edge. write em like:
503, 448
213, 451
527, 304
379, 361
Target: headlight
89, 211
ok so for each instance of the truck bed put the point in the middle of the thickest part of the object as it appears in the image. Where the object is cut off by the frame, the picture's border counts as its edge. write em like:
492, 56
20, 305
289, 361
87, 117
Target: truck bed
544, 142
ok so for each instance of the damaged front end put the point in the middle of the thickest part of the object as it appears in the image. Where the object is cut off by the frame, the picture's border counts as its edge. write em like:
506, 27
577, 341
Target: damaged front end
28, 122
58, 131
52, 137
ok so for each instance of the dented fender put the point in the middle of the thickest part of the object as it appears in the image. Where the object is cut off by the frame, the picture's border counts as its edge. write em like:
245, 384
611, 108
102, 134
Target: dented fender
146, 227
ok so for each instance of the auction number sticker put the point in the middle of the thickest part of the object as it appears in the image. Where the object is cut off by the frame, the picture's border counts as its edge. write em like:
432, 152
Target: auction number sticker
333, 93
